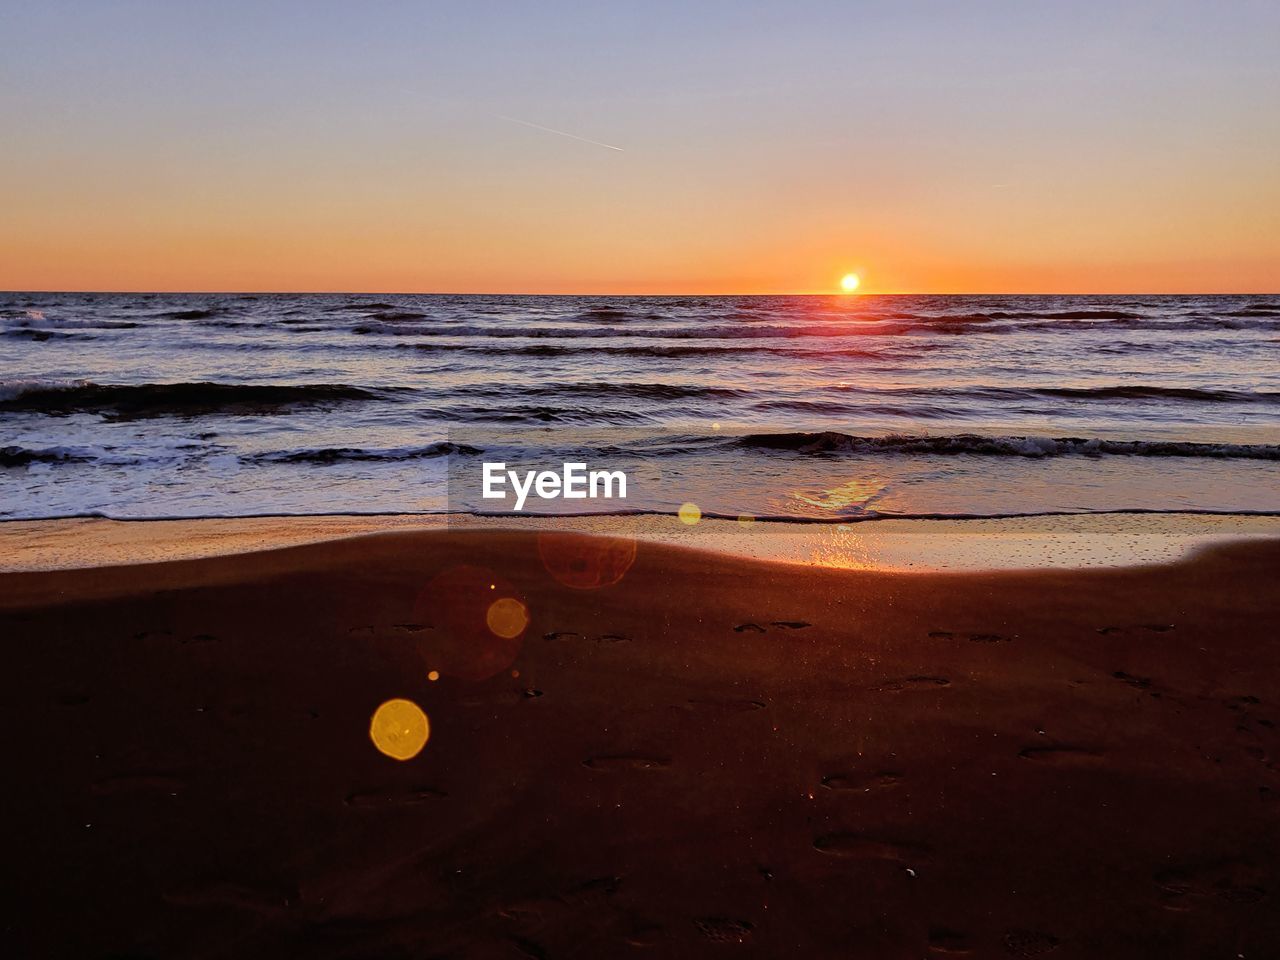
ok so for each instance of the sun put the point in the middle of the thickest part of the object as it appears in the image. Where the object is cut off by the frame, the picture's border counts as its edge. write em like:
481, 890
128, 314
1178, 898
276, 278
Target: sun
849, 282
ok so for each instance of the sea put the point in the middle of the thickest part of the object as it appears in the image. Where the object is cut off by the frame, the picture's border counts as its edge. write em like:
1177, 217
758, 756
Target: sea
841, 408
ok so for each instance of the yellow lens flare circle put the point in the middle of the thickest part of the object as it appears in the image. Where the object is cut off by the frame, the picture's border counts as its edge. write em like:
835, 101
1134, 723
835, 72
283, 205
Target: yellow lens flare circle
850, 282
507, 618
689, 513
399, 729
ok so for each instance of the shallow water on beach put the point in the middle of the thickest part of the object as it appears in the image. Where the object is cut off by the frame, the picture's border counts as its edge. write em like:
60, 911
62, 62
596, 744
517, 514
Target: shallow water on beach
149, 405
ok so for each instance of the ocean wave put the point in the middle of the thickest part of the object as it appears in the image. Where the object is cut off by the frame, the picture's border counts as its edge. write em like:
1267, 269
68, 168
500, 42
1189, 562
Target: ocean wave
919, 410
1085, 315
1017, 446
667, 351
202, 313
14, 456
1257, 310
362, 307
26, 321
327, 455
598, 388
1151, 392
134, 401
1068, 322
606, 314
544, 414
37, 335
1107, 392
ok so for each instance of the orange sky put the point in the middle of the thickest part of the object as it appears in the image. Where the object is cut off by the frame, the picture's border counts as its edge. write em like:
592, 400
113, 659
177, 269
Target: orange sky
1004, 151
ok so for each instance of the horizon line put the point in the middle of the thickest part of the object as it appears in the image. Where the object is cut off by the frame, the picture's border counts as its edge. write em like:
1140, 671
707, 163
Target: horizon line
810, 293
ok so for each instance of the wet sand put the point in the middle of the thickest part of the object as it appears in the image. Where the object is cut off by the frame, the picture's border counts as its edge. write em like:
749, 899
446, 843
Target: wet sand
1064, 541
712, 756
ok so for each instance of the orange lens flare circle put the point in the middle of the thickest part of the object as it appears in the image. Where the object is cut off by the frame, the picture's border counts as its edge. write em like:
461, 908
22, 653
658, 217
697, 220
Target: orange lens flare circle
399, 729
507, 617
586, 562
479, 620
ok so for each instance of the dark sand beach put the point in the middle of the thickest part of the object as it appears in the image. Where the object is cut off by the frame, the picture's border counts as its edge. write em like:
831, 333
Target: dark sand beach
711, 757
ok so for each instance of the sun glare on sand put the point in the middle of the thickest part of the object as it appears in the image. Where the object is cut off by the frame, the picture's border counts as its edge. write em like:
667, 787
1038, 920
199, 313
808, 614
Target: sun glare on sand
849, 282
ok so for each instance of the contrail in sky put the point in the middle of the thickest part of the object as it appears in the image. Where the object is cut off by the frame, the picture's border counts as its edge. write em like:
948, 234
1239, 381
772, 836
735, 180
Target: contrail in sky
571, 136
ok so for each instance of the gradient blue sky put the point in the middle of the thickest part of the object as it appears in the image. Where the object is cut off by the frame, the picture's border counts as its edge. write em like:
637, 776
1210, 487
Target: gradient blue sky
766, 147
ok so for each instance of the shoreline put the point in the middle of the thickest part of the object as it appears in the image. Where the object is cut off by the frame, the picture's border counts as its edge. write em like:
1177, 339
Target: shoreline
1059, 541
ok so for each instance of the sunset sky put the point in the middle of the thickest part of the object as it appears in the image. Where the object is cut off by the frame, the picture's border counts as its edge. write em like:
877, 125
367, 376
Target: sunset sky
765, 148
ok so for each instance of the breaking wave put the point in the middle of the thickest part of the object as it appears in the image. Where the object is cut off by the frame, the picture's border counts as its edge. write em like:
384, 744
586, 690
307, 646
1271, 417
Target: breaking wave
171, 399
1007, 446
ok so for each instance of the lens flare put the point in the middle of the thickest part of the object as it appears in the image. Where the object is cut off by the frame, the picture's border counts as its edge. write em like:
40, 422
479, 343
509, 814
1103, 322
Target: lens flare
507, 617
585, 562
690, 513
479, 621
399, 729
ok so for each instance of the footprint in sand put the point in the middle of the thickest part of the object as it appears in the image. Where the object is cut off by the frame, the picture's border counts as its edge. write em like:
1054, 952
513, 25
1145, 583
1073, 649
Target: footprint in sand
626, 762
971, 637
562, 635
410, 627
1030, 943
750, 627
915, 682
592, 895
393, 797
948, 943
574, 635
1152, 627
724, 929
1059, 754
1241, 702
521, 914
643, 934
500, 696
854, 846
1140, 683
861, 782
1233, 881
